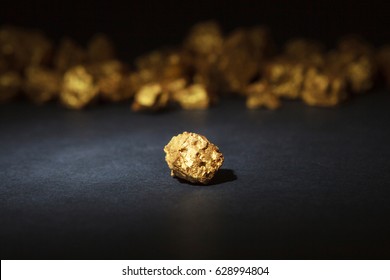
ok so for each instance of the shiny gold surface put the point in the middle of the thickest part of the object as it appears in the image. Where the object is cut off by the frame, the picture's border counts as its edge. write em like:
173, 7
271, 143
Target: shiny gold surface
192, 157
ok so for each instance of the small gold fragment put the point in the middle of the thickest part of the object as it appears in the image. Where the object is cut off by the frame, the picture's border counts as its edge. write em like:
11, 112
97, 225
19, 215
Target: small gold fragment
150, 97
10, 84
41, 85
192, 157
323, 89
69, 54
260, 95
78, 88
100, 48
286, 77
193, 97
112, 80
24, 47
243, 56
305, 51
354, 59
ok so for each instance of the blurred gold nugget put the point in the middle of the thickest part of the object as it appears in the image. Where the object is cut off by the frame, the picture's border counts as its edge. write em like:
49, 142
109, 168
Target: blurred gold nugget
69, 54
41, 85
205, 40
78, 88
205, 64
150, 97
10, 85
323, 89
243, 55
192, 97
24, 47
260, 95
286, 77
161, 66
112, 80
355, 61
193, 157
306, 51
203, 47
100, 48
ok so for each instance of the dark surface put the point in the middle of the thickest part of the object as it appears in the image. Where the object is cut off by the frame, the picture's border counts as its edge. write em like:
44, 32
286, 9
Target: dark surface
300, 182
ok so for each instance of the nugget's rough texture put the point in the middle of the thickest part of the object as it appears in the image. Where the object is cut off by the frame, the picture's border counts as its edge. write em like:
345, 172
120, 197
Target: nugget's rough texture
192, 157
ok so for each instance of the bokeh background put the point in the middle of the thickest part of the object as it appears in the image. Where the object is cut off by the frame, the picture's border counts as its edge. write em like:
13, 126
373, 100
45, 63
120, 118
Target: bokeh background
137, 27
299, 182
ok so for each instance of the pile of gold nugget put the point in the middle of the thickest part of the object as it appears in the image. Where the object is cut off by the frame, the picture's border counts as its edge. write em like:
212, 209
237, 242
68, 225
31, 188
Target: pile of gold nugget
192, 76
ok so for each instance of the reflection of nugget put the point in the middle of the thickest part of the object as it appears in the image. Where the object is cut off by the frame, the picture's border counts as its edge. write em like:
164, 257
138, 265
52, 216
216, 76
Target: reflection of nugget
192, 157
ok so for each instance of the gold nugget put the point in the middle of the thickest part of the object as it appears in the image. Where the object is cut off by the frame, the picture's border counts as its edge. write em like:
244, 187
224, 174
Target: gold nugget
259, 95
10, 84
150, 97
69, 54
192, 157
78, 88
41, 85
193, 97
323, 89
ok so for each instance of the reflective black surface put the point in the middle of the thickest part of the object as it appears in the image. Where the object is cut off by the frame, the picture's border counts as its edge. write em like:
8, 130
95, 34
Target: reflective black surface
300, 182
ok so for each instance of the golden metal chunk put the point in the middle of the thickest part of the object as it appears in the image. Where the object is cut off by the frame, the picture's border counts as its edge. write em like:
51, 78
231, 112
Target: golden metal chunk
243, 56
193, 97
10, 84
355, 61
78, 88
192, 157
150, 97
323, 89
205, 39
286, 77
161, 66
260, 95
24, 47
100, 48
306, 51
112, 80
68, 55
41, 85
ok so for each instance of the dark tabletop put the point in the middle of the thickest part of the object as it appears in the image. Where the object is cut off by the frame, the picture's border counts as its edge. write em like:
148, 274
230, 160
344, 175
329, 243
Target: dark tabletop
299, 182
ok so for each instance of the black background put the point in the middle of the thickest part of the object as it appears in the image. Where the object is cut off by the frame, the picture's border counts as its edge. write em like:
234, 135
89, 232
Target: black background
299, 182
140, 26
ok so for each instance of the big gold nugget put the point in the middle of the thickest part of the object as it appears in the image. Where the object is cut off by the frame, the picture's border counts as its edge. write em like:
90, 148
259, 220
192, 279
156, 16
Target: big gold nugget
192, 157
